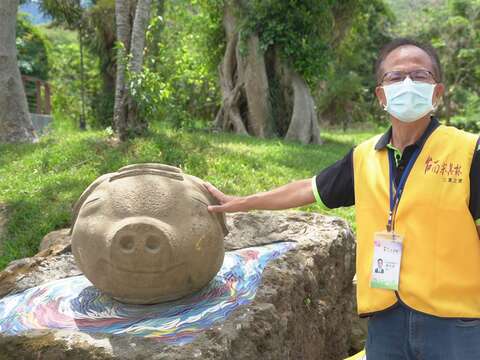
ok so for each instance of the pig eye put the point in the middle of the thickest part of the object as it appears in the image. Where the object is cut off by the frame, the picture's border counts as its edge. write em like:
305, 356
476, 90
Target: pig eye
90, 206
127, 244
91, 201
152, 244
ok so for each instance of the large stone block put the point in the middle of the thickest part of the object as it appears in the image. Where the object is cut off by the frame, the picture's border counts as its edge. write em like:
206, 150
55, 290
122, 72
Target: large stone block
299, 307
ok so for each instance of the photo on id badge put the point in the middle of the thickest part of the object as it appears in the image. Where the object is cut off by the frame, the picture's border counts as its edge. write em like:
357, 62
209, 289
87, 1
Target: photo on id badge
387, 257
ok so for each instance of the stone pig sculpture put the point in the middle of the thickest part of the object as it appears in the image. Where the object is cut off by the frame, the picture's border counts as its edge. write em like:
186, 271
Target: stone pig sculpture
144, 235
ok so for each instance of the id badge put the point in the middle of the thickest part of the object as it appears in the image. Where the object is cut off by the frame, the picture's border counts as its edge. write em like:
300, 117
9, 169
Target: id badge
387, 258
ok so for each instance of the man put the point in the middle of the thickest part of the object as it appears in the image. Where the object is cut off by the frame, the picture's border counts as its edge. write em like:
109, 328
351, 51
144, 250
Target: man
417, 201
379, 269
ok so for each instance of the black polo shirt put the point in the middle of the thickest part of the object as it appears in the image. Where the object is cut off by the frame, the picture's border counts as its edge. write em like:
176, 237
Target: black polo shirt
334, 185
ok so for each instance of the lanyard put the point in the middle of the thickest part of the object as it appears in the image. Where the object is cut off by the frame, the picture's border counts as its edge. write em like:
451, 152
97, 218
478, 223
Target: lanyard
395, 199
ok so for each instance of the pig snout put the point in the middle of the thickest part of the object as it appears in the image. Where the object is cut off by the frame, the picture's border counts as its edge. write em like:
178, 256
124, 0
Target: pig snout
142, 243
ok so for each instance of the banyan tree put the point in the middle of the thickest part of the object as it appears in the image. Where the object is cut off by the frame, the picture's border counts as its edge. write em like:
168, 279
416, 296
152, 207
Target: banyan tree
275, 52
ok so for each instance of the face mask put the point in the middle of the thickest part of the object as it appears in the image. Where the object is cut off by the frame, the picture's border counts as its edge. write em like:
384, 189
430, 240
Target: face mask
409, 101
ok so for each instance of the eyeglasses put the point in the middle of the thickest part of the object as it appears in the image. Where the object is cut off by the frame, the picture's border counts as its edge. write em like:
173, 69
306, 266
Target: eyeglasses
392, 77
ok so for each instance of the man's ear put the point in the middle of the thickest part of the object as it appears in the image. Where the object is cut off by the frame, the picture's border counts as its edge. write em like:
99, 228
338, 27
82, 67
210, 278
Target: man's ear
437, 94
382, 99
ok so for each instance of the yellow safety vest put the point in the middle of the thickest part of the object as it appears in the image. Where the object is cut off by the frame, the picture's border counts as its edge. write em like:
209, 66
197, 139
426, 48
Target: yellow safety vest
440, 269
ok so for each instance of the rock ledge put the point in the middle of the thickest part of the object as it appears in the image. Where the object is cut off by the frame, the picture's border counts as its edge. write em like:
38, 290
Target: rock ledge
302, 310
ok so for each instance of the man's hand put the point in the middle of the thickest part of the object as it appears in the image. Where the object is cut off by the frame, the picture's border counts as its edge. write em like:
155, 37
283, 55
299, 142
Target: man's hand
227, 203
297, 193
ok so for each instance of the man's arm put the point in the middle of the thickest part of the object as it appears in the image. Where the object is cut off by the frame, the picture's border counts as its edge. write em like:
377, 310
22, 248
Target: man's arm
295, 194
333, 187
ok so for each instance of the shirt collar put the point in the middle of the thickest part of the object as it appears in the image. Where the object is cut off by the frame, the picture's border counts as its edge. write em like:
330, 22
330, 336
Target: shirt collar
385, 138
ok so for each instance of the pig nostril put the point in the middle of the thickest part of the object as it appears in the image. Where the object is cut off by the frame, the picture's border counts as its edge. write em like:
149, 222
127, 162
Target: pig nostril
127, 244
152, 244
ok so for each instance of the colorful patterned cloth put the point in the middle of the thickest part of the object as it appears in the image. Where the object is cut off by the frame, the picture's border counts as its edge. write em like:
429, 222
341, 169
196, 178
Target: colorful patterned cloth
74, 303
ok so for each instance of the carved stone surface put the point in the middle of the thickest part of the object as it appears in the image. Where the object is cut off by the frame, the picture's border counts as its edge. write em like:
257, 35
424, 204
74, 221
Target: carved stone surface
303, 308
143, 235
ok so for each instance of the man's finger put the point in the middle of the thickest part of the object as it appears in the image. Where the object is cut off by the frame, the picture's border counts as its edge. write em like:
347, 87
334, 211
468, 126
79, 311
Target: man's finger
214, 191
216, 208
210, 187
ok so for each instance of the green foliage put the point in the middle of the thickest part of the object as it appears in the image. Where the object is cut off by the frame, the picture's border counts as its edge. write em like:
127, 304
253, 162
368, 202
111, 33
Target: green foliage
347, 95
41, 182
65, 79
32, 49
179, 79
58, 35
304, 32
469, 119
100, 39
411, 15
95, 24
102, 102
453, 28
457, 39
67, 13
454, 31
151, 94
213, 40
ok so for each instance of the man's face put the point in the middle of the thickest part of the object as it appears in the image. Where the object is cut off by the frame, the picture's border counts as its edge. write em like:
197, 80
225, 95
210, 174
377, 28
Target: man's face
380, 263
407, 58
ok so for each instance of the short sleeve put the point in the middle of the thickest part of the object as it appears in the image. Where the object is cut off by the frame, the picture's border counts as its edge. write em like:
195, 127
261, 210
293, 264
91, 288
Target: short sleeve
333, 186
474, 204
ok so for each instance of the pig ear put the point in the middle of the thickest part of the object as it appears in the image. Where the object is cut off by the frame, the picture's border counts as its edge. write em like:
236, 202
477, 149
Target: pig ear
85, 195
136, 172
151, 166
200, 185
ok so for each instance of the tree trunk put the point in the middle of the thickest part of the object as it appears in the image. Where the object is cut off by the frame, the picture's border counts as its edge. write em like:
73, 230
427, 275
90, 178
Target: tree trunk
231, 84
132, 21
259, 100
142, 15
304, 123
15, 122
257, 90
137, 124
122, 19
82, 122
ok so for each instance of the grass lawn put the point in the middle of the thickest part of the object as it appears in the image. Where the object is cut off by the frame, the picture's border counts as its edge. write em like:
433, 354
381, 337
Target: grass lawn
40, 182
